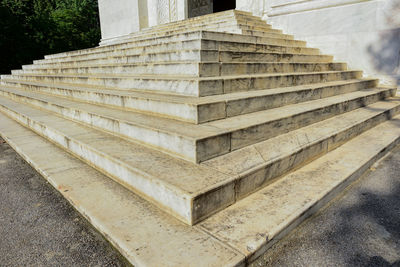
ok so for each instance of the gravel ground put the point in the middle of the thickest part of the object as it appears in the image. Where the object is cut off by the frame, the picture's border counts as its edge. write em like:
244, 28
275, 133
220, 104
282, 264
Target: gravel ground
39, 228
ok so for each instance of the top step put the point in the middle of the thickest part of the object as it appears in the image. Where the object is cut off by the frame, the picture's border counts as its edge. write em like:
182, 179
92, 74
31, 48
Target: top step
229, 21
181, 37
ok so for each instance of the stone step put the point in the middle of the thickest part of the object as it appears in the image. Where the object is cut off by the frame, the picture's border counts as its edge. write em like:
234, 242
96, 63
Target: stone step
193, 86
189, 191
197, 143
230, 16
242, 19
134, 236
276, 156
254, 224
170, 183
196, 55
226, 26
204, 56
213, 25
223, 28
197, 44
193, 109
216, 22
193, 69
143, 233
193, 35
272, 57
197, 110
245, 30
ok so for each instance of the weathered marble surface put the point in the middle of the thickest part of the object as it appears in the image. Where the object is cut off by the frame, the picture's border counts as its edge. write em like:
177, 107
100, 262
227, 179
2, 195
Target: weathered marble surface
364, 34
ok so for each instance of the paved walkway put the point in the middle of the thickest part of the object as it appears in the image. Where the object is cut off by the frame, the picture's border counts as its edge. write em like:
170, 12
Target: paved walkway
39, 228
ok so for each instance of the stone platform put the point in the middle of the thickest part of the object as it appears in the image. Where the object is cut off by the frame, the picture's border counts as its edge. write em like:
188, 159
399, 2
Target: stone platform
200, 142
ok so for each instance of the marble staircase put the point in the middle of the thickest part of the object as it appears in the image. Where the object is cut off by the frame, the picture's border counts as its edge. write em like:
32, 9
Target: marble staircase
199, 142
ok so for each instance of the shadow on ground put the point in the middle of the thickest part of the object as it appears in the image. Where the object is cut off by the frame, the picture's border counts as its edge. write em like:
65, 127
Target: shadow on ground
386, 52
360, 229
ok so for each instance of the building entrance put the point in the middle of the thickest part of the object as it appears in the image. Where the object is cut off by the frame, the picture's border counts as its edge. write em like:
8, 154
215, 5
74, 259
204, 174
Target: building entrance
204, 7
222, 5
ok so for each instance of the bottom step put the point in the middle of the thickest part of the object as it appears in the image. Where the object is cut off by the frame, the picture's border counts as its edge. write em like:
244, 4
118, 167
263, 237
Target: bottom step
233, 237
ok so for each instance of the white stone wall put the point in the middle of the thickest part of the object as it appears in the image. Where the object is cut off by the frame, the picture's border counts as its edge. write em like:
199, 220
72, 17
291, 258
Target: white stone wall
363, 33
119, 18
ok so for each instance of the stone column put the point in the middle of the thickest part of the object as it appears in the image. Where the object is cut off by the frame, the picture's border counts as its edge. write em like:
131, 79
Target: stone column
119, 18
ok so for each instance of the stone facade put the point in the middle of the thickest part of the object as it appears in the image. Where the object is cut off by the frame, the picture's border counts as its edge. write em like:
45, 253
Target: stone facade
364, 33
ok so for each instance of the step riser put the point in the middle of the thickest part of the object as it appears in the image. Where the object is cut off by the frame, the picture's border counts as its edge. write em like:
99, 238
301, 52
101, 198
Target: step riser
256, 179
210, 147
186, 45
243, 69
228, 27
203, 23
173, 202
188, 55
239, 188
194, 87
262, 177
215, 24
265, 57
247, 84
245, 106
192, 55
241, 20
136, 50
290, 201
194, 69
203, 113
178, 146
183, 112
189, 69
212, 26
261, 48
260, 28
183, 37
234, 140
252, 39
256, 33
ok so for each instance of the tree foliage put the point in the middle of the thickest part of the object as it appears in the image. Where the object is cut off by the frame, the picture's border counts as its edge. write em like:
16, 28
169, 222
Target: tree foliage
30, 29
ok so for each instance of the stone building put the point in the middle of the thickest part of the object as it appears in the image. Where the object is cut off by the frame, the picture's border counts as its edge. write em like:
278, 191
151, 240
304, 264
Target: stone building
364, 33
203, 142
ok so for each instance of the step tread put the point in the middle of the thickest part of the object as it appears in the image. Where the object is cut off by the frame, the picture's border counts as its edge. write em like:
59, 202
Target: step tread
265, 152
209, 35
141, 46
259, 117
144, 234
254, 223
183, 177
200, 131
181, 62
172, 177
176, 77
151, 53
190, 100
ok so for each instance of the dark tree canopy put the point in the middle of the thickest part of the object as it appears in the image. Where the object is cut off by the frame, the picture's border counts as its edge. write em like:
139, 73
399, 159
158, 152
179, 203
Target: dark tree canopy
30, 29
